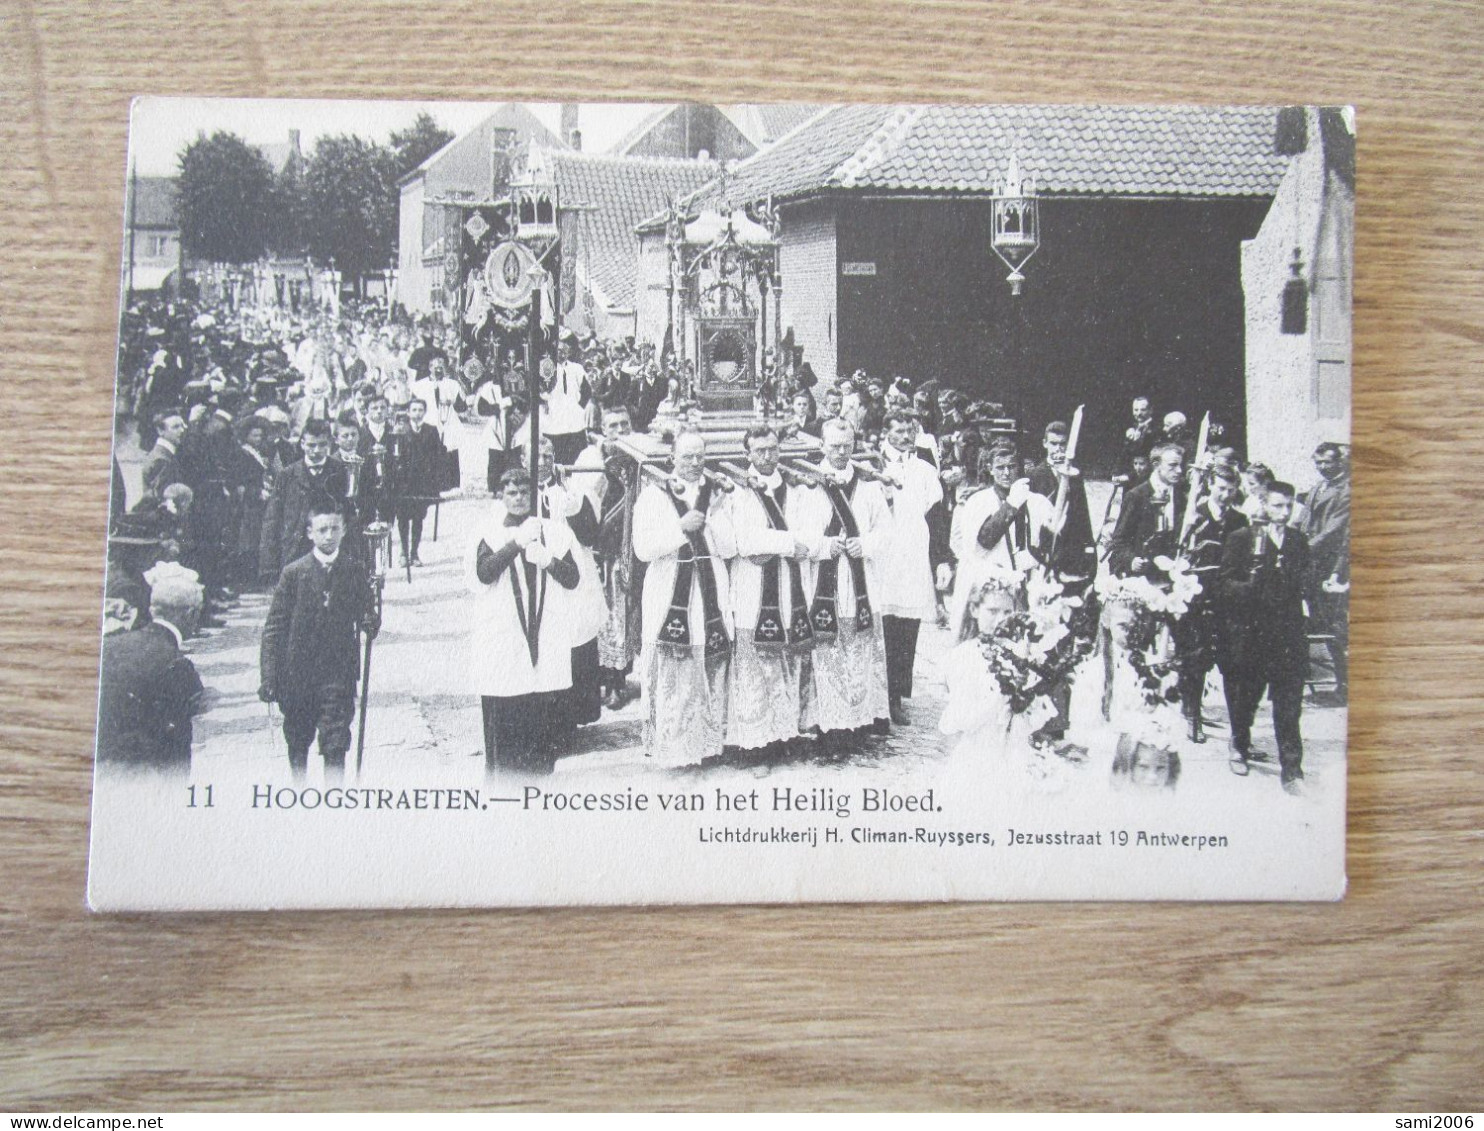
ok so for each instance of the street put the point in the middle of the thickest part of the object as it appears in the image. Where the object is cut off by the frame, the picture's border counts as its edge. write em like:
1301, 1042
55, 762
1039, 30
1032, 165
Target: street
420, 717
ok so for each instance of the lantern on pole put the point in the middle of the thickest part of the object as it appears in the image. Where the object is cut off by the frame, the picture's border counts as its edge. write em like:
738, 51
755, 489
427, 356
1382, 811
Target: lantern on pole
1017, 223
378, 537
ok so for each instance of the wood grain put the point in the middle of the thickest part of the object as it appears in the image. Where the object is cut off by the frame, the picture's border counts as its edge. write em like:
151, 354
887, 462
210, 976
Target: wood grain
1375, 1003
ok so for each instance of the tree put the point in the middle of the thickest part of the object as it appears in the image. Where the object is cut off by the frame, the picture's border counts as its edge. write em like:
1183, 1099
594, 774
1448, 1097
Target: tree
226, 199
418, 142
288, 228
351, 204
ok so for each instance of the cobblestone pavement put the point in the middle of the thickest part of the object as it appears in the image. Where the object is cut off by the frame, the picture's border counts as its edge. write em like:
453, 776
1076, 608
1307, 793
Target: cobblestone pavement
421, 717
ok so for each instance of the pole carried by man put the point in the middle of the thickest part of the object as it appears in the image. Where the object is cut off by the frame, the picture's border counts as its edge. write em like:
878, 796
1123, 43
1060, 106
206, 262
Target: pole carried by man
846, 521
764, 704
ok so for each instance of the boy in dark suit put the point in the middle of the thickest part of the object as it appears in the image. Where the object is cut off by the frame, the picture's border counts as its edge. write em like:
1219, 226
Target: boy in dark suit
418, 457
312, 481
1198, 634
1149, 523
1264, 569
310, 658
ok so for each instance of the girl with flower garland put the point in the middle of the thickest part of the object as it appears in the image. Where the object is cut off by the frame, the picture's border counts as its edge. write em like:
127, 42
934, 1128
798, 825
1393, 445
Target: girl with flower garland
1143, 700
1028, 639
978, 709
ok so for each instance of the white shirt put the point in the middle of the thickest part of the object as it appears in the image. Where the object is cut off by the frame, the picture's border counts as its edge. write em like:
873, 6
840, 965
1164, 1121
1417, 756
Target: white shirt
901, 579
771, 483
563, 410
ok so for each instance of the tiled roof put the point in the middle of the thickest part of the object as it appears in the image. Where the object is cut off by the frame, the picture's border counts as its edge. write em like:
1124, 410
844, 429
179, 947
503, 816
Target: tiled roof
1073, 150
153, 205
622, 191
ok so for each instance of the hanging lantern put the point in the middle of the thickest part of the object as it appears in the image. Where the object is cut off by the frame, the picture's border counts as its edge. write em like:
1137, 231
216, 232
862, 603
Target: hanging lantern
1296, 298
1017, 223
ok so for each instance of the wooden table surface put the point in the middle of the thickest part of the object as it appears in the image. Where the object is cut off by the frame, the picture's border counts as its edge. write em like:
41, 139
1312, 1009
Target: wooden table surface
1375, 1003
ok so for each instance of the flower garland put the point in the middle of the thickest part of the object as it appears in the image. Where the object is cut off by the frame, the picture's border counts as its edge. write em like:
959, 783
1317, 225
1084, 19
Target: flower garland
1152, 608
1159, 680
1030, 653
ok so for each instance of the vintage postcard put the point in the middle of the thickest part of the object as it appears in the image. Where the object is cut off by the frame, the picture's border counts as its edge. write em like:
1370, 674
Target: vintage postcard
534, 504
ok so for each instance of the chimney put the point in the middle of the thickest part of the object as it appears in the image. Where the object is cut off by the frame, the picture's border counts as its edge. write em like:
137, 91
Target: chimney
570, 133
294, 142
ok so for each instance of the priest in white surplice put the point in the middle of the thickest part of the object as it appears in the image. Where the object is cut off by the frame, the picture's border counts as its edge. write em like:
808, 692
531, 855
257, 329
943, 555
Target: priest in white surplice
687, 614
845, 523
901, 575
774, 634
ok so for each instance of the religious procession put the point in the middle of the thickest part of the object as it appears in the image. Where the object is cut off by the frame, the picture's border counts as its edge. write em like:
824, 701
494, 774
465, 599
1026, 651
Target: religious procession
743, 514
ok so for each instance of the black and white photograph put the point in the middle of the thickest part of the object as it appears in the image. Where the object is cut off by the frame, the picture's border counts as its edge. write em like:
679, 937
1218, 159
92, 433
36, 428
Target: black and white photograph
525, 504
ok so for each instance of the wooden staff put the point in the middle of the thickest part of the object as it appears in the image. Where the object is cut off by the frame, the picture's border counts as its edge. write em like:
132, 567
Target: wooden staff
809, 474
743, 476
1119, 486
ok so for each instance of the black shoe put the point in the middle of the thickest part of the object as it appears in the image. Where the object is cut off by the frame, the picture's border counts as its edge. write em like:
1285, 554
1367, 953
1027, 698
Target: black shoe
417, 561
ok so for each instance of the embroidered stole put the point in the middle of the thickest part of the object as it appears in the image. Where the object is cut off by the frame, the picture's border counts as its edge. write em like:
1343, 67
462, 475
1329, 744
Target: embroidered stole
694, 557
769, 632
822, 613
